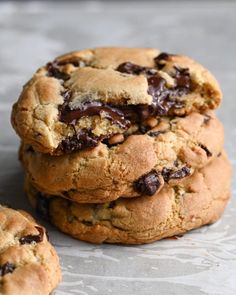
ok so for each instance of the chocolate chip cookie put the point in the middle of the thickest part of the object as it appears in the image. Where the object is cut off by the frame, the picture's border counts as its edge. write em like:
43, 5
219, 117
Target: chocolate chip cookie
198, 200
167, 153
29, 264
106, 94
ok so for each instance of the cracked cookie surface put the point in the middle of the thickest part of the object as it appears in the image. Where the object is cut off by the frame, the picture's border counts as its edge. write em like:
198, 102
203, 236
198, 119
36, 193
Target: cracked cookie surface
169, 152
196, 201
29, 264
91, 96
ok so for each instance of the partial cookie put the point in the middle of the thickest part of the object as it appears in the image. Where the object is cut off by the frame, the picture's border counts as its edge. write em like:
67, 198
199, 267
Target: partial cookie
29, 265
196, 201
172, 150
106, 94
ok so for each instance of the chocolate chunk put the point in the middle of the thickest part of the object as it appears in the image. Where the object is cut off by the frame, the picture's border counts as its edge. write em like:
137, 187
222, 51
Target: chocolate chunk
163, 96
148, 183
54, 71
33, 238
208, 153
169, 174
160, 58
83, 139
182, 80
42, 205
93, 108
130, 68
6, 268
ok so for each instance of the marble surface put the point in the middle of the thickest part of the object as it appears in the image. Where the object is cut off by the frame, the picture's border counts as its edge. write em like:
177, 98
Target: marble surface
201, 262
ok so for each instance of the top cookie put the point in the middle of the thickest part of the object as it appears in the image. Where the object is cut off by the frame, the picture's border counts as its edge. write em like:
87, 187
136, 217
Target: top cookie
89, 96
29, 264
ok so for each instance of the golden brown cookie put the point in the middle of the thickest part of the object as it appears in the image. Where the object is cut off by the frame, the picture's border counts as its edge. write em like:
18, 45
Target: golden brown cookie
105, 94
172, 150
29, 265
196, 201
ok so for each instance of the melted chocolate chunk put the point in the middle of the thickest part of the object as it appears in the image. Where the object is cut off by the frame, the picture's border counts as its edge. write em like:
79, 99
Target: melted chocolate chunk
208, 153
169, 174
6, 268
182, 80
148, 183
83, 139
33, 238
163, 96
54, 71
93, 108
42, 205
133, 69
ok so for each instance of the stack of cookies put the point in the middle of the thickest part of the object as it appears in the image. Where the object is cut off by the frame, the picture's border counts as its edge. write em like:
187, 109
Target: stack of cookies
121, 145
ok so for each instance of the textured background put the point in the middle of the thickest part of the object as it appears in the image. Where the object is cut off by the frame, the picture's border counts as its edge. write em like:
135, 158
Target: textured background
201, 262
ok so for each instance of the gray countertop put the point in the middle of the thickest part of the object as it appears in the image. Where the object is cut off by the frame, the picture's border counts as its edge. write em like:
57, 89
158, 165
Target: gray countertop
201, 262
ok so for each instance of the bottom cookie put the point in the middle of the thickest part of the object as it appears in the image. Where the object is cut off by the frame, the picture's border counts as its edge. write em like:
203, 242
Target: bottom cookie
198, 200
29, 264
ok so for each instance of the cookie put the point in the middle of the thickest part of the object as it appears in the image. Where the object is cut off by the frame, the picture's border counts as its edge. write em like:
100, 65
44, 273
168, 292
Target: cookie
106, 94
29, 265
196, 201
140, 165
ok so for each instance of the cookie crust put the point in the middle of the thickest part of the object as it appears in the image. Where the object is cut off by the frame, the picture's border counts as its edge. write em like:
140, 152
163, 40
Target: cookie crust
29, 264
71, 82
196, 201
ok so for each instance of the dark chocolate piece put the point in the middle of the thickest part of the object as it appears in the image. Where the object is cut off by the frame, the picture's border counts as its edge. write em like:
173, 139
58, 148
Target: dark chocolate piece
6, 268
163, 97
33, 238
160, 58
92, 108
54, 71
148, 183
133, 69
169, 174
208, 153
83, 139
